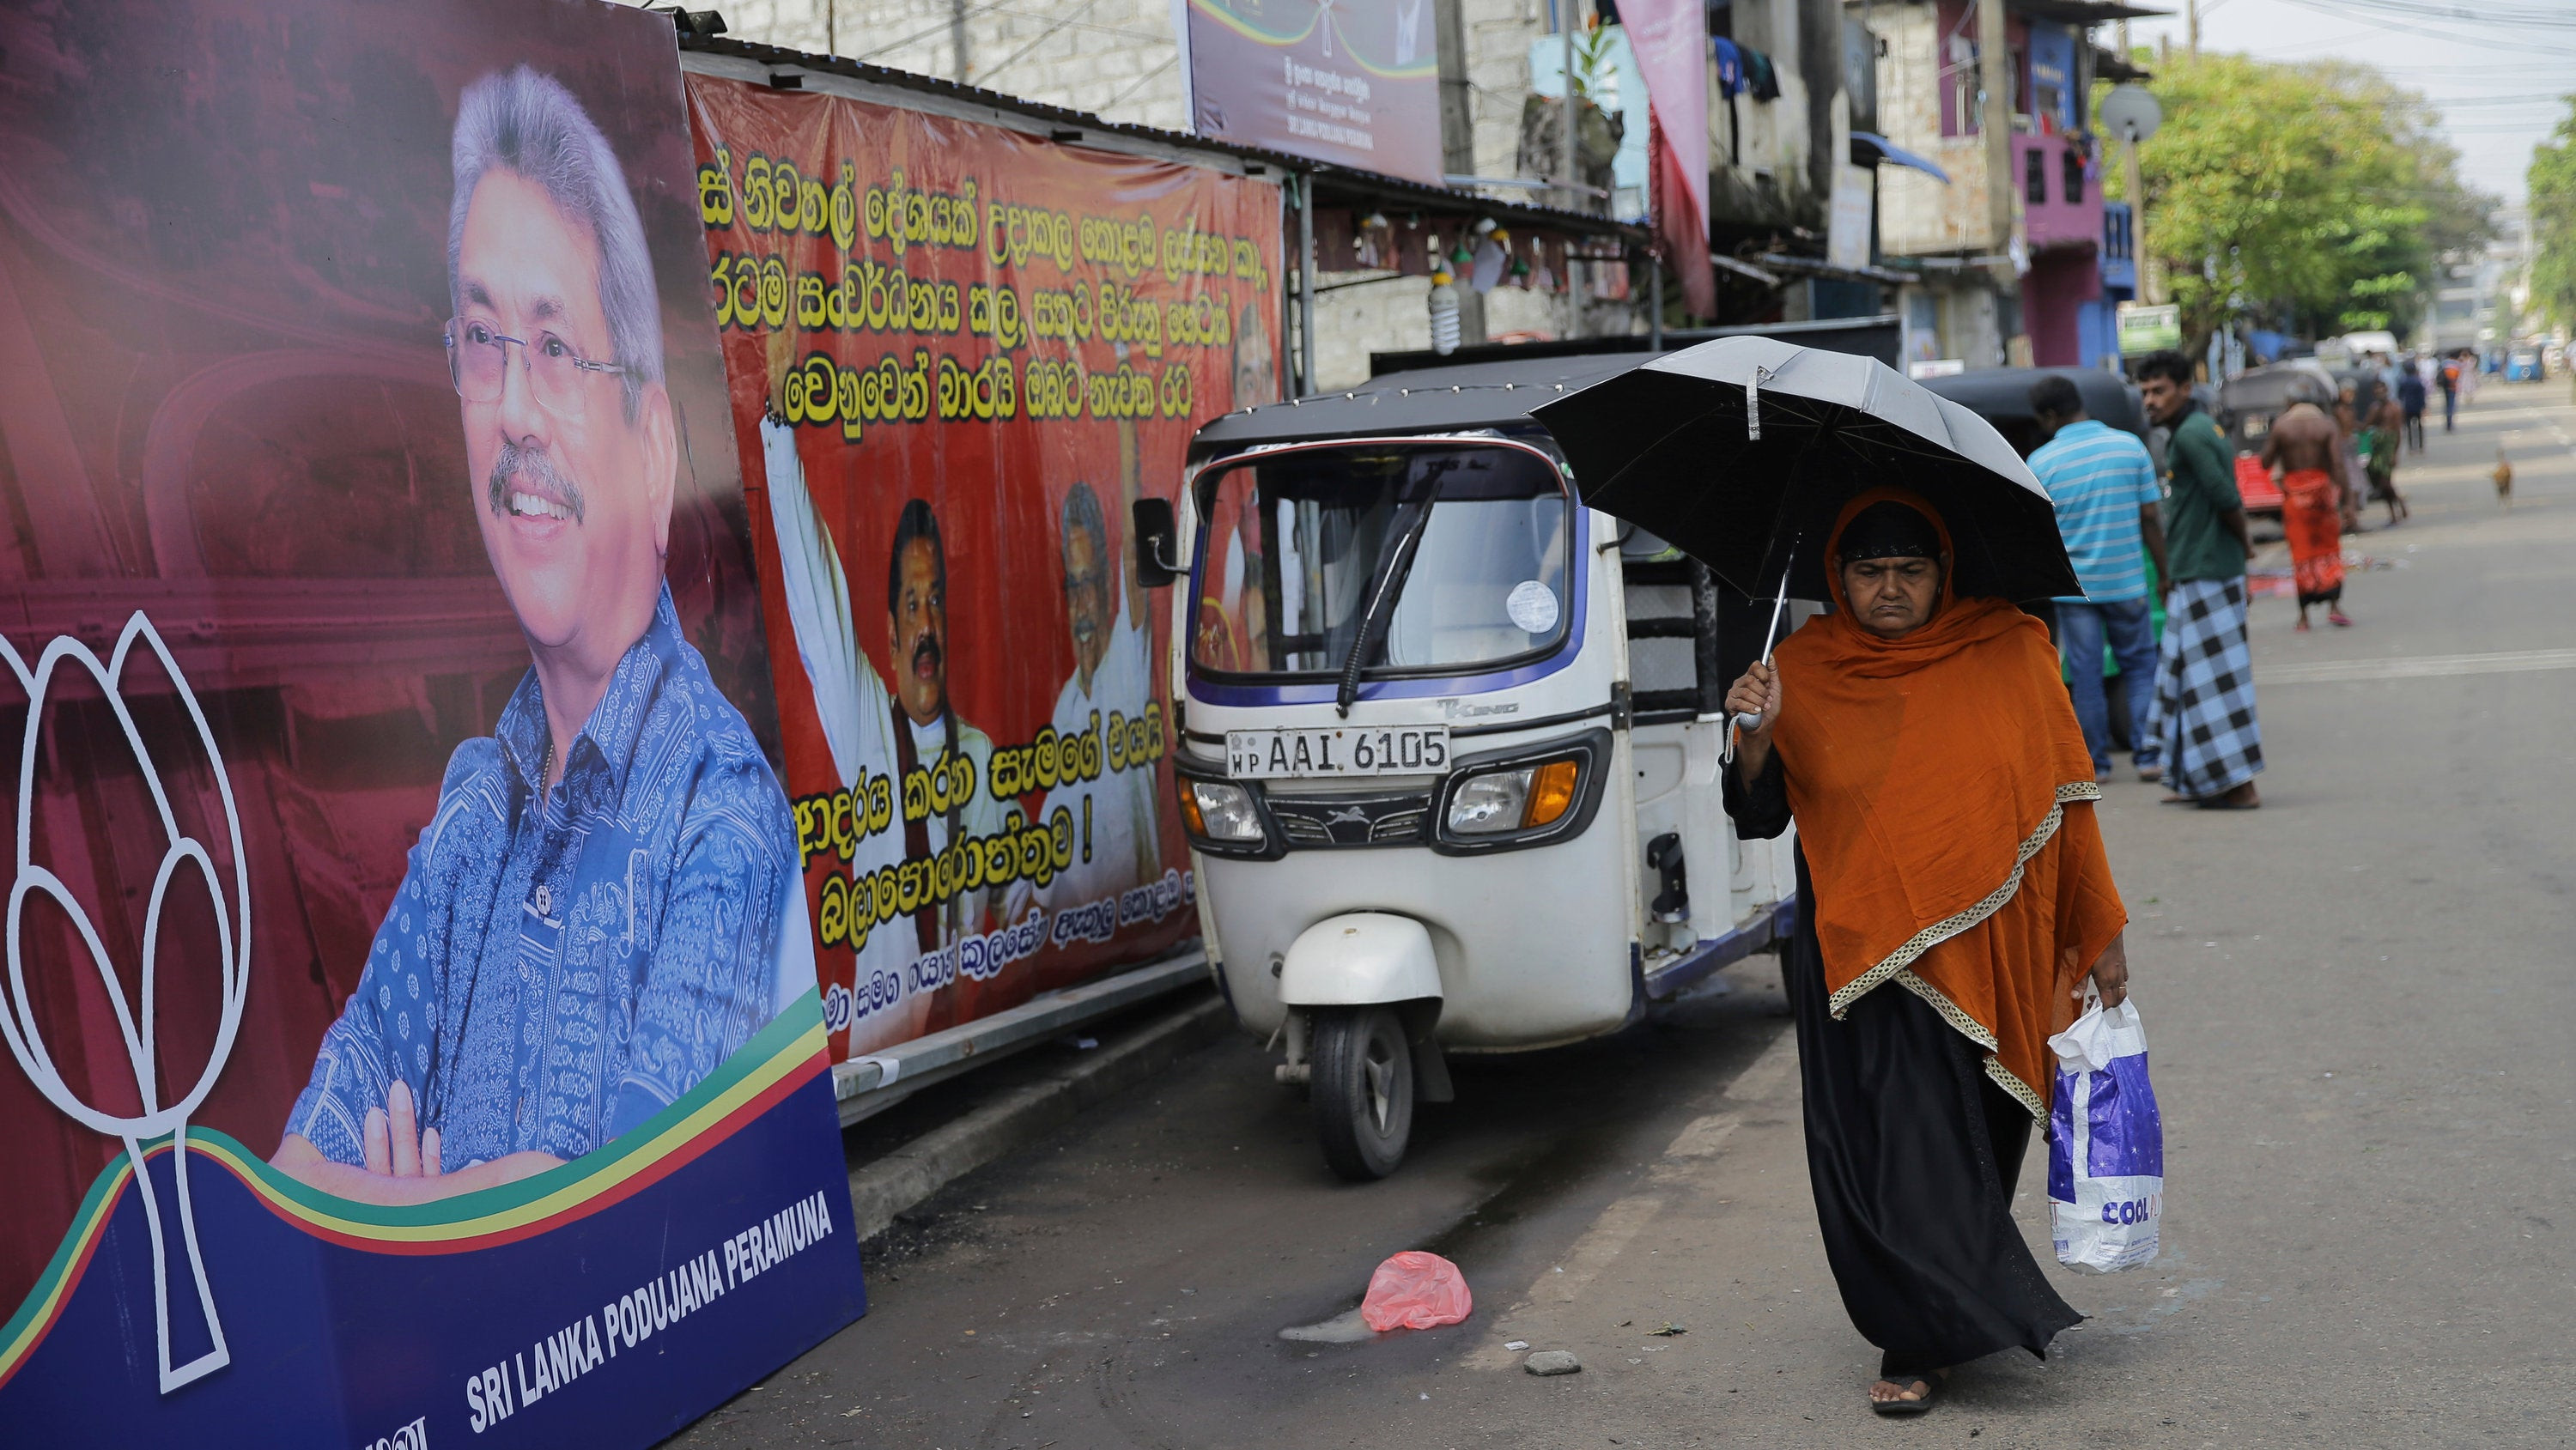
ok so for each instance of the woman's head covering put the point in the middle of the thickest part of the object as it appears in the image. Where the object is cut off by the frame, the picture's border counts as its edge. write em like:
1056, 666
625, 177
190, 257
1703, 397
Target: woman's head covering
1925, 772
1888, 529
1887, 523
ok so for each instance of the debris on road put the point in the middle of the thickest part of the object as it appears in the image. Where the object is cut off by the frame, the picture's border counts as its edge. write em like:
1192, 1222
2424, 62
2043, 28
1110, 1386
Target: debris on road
1552, 1361
1416, 1290
1668, 1331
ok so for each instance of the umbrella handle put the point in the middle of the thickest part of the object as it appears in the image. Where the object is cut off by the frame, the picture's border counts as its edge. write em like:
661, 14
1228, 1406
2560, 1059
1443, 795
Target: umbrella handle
1770, 640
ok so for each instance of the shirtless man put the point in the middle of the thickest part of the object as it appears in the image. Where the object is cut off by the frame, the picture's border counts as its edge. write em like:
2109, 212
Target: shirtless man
2305, 453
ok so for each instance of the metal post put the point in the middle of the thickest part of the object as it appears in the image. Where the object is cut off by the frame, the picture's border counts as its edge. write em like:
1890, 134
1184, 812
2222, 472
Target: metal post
1565, 13
1306, 284
2133, 181
1994, 77
1655, 302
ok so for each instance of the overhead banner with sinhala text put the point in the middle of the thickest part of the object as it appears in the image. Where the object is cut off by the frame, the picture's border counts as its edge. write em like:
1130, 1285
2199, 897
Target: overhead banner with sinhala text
410, 1025
958, 355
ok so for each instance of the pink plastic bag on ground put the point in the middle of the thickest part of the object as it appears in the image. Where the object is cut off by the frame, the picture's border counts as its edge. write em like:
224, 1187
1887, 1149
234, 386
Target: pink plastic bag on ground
1415, 1290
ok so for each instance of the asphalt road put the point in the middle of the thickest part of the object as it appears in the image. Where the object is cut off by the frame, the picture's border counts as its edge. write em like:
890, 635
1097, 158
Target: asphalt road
2358, 1000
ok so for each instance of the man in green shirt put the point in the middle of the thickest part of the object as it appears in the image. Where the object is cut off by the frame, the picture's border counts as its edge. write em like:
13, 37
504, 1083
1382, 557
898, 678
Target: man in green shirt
2204, 706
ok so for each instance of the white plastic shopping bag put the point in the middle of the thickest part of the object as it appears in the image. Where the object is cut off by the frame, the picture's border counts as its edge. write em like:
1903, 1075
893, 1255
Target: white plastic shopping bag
2106, 1144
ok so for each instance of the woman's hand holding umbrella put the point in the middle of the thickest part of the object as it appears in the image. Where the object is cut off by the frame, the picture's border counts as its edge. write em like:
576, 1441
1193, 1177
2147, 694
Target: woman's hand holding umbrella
1755, 697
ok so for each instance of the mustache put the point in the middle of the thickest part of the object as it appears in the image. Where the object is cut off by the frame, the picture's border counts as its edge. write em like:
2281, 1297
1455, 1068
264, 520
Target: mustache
928, 648
545, 479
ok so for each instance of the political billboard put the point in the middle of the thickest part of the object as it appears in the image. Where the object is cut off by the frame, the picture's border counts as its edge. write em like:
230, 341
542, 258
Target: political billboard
959, 353
410, 1022
1356, 85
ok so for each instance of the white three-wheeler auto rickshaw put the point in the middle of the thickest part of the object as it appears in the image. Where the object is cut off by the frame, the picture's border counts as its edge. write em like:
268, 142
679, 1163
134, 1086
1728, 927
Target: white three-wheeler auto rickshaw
1449, 741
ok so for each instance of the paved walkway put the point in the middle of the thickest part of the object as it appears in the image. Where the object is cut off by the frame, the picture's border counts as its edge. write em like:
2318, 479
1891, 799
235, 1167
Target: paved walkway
2358, 998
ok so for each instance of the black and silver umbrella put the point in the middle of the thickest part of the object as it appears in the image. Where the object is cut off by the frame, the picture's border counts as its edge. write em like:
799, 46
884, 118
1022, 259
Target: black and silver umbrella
1742, 450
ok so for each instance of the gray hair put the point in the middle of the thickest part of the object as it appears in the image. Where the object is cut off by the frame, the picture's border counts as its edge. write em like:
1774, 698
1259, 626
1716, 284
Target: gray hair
1082, 515
529, 124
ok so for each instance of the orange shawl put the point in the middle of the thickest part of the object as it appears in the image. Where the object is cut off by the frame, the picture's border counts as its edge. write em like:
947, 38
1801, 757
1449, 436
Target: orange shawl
1943, 793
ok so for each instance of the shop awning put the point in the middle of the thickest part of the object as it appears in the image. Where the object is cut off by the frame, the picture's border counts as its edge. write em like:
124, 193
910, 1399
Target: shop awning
1886, 150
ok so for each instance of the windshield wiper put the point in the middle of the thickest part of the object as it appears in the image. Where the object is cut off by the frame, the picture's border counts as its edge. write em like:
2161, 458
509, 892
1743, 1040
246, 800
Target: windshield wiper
1394, 563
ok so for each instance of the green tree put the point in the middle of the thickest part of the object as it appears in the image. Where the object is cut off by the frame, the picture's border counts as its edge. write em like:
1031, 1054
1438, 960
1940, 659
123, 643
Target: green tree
2552, 179
2316, 193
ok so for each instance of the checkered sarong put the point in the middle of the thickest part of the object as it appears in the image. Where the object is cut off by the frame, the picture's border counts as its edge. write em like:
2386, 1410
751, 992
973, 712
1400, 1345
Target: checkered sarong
2204, 710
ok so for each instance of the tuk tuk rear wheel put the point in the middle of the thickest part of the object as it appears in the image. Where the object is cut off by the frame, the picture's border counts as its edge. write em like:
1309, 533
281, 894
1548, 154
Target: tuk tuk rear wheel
1362, 1085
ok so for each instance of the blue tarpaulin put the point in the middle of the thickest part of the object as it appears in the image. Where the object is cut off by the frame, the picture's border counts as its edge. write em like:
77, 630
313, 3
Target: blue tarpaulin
1898, 154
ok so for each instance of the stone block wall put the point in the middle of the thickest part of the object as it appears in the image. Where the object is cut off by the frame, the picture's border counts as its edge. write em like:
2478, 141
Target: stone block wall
1114, 58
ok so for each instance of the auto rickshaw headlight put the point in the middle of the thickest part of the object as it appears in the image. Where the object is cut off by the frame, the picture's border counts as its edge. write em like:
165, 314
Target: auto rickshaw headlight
1218, 811
1516, 798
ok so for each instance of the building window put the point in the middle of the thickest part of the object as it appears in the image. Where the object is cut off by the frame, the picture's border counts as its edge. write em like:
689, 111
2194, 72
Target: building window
2074, 161
2034, 177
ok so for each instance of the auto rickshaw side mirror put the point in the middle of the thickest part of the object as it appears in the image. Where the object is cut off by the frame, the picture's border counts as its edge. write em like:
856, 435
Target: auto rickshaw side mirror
1158, 555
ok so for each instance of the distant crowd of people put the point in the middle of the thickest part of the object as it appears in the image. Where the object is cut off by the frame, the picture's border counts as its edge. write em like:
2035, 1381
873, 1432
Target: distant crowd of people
2189, 691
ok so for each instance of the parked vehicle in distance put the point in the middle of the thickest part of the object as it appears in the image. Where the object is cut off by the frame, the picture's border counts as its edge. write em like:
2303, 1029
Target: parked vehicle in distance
2522, 365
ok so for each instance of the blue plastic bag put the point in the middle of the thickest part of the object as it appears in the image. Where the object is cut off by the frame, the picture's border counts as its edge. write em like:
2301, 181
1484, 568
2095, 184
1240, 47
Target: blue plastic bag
2106, 1144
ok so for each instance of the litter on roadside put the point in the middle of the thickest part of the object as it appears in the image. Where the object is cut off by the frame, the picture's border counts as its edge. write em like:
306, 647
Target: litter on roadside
1416, 1290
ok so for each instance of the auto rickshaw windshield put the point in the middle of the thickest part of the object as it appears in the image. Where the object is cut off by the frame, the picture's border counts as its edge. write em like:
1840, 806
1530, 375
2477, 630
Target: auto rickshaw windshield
1293, 547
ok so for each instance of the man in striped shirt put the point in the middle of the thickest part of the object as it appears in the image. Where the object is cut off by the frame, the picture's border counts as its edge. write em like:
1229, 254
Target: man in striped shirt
2107, 509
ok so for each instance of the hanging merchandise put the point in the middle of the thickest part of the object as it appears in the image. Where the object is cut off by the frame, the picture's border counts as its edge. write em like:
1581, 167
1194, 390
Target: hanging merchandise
1489, 257
1519, 271
1375, 233
1444, 312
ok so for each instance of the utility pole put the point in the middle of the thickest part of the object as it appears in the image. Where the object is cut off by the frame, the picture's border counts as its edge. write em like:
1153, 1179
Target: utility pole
2191, 22
2133, 182
1571, 174
1994, 78
1457, 134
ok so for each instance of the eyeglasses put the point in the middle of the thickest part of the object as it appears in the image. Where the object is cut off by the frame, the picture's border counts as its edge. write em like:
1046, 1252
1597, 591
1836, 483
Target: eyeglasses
478, 363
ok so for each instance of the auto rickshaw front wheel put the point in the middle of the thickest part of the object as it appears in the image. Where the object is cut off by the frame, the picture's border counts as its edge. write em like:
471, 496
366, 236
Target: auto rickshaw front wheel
1361, 1085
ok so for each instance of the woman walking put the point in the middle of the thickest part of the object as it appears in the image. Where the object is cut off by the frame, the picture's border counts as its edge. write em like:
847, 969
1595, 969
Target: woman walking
1953, 896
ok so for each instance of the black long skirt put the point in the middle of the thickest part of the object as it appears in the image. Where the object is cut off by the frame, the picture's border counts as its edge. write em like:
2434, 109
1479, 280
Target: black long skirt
1914, 1154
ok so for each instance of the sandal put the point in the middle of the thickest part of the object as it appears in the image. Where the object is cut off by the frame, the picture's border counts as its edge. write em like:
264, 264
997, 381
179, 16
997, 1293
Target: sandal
1931, 1384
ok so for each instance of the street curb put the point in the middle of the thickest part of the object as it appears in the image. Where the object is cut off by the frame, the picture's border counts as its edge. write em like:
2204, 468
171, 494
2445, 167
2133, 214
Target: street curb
1019, 1117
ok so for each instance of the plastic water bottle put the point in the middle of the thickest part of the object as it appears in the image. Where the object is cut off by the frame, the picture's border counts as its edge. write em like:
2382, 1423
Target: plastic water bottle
1444, 313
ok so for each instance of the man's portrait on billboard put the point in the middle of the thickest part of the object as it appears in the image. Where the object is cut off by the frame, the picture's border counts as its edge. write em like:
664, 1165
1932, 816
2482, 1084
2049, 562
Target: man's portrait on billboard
591, 921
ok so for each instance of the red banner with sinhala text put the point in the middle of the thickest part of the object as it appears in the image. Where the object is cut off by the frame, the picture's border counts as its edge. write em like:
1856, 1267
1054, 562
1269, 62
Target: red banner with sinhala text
958, 354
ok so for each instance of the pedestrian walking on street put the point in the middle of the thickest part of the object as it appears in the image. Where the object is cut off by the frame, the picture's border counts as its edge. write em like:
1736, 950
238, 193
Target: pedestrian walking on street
1953, 895
2410, 398
2449, 377
2303, 451
2108, 513
2349, 435
2385, 426
2212, 743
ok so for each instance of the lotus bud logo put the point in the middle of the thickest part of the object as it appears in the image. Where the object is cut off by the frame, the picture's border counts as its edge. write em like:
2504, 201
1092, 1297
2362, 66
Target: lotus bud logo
185, 865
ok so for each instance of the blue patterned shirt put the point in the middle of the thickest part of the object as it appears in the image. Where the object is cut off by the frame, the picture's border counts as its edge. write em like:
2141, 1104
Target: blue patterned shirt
554, 971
